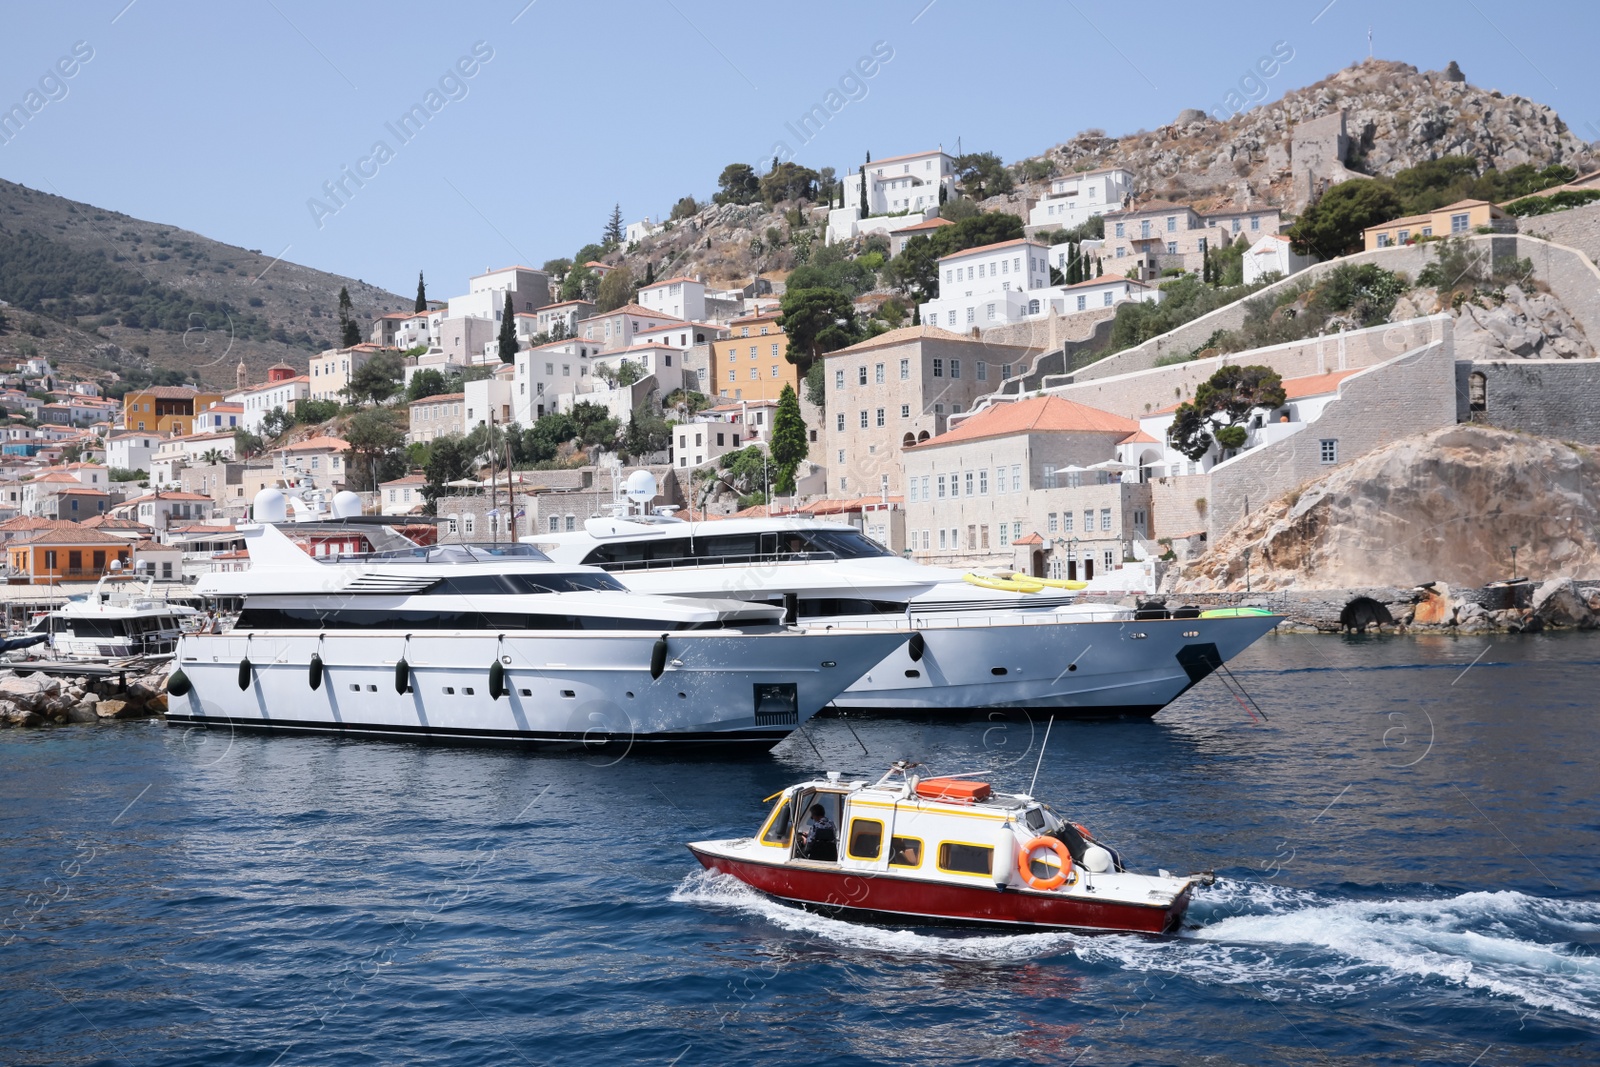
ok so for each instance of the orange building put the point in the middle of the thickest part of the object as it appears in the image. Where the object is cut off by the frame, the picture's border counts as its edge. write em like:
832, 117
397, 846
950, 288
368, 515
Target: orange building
67, 553
751, 364
165, 409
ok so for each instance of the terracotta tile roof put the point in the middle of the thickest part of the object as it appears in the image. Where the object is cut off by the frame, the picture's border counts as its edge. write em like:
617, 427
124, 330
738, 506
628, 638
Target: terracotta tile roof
315, 444
1030, 539
910, 335
926, 224
409, 479
502, 270
839, 507
1110, 280
562, 304
671, 281
1138, 437
167, 392
1041, 414
991, 248
82, 490
32, 522
163, 495
903, 158
109, 522
1315, 384
437, 397
69, 534
635, 309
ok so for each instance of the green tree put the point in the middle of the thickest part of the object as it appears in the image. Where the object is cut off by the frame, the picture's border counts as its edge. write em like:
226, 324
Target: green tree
313, 412
1333, 224
788, 181
376, 451
817, 385
422, 294
789, 445
592, 424
981, 174
685, 208
829, 269
580, 284
916, 269
737, 184
647, 433
862, 213
616, 289
1221, 404
274, 422
557, 267
349, 331
246, 444
816, 321
506, 346
449, 460
377, 379
612, 235
750, 470
426, 382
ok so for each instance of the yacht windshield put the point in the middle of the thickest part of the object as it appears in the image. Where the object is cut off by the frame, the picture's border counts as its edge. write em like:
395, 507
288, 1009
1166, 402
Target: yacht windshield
515, 584
463, 553
754, 546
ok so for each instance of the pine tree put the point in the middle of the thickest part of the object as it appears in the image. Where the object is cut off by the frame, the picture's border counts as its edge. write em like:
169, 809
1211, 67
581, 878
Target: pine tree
349, 332
422, 294
613, 235
508, 334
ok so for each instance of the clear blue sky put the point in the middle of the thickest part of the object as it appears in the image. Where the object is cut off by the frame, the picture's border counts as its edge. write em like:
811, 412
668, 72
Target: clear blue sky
228, 118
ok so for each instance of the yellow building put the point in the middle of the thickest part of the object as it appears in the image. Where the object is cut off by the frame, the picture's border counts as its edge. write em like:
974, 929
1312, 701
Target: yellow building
165, 409
1462, 218
750, 364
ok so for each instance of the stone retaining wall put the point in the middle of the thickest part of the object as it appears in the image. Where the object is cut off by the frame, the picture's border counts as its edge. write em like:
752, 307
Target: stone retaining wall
1557, 398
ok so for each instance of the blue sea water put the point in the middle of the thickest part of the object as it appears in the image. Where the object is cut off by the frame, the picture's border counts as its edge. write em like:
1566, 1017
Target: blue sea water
1406, 852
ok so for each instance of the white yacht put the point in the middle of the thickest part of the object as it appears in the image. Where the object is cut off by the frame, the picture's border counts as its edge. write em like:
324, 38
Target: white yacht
121, 618
970, 646
495, 643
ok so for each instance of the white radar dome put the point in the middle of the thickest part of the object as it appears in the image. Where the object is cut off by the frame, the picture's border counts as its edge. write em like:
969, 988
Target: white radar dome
269, 506
346, 504
641, 487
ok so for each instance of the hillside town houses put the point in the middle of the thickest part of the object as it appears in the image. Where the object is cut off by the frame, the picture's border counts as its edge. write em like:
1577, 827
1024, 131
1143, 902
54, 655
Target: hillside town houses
957, 439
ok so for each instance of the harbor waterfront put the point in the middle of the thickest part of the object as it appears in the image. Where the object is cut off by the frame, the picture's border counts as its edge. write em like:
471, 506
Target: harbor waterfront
1403, 839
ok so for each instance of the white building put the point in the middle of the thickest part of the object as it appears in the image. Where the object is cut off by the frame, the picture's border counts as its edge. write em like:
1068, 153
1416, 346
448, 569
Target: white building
1273, 254
1074, 199
435, 416
402, 496
635, 232
257, 400
901, 183
488, 400
620, 327
681, 297
1097, 293
567, 314
540, 376
988, 285
131, 450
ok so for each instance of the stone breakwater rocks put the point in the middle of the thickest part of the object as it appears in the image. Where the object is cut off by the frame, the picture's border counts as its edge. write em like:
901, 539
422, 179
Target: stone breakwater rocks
33, 699
1525, 607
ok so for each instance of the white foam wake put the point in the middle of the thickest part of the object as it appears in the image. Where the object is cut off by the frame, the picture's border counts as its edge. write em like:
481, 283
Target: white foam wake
1285, 942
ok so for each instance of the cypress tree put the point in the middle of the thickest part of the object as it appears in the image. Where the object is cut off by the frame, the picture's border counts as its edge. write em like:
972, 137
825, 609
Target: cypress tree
508, 334
863, 212
349, 332
422, 294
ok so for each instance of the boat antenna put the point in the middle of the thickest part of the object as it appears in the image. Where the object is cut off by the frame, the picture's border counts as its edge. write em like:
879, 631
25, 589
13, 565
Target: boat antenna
1042, 746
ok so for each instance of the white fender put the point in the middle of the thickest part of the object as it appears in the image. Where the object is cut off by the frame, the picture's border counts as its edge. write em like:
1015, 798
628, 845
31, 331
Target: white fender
1096, 860
1005, 857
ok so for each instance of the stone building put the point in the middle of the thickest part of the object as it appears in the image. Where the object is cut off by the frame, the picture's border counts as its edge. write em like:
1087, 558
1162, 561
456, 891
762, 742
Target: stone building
893, 390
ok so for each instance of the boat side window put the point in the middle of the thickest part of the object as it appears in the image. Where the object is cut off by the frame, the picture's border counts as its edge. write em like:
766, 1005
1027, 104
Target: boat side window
959, 857
511, 584
1035, 819
844, 544
866, 839
781, 823
905, 852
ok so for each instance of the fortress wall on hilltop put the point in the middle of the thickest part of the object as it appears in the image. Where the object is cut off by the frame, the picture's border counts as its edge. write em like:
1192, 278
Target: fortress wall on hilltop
1557, 398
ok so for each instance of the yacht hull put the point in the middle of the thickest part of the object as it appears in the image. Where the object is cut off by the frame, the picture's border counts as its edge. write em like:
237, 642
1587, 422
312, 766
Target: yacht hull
567, 691
1073, 668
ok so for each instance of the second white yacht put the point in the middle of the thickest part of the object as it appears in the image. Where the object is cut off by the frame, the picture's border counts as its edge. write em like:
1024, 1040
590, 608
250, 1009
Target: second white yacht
970, 647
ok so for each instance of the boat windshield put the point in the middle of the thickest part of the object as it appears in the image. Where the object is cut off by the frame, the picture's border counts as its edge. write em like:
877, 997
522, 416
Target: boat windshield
513, 584
754, 546
462, 553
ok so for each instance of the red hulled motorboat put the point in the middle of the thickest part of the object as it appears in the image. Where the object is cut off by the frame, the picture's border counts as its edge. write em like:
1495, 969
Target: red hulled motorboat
943, 850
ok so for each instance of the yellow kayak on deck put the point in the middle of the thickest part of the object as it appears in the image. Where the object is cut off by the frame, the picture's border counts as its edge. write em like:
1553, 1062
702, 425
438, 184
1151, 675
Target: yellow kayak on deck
1004, 585
1061, 583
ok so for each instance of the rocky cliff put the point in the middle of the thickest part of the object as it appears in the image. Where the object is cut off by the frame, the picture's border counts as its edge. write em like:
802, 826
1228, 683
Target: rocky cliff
1396, 117
1445, 506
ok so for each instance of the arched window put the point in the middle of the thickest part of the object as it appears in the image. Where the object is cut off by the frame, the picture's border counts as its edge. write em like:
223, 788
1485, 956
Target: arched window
1033, 307
921, 437
909, 440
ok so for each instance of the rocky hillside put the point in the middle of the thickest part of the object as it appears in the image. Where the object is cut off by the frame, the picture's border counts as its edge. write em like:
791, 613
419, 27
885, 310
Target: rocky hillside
1445, 506
77, 276
1397, 117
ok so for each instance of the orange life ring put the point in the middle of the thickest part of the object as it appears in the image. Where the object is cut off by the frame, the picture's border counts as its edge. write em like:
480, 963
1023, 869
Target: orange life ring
1084, 830
1025, 863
